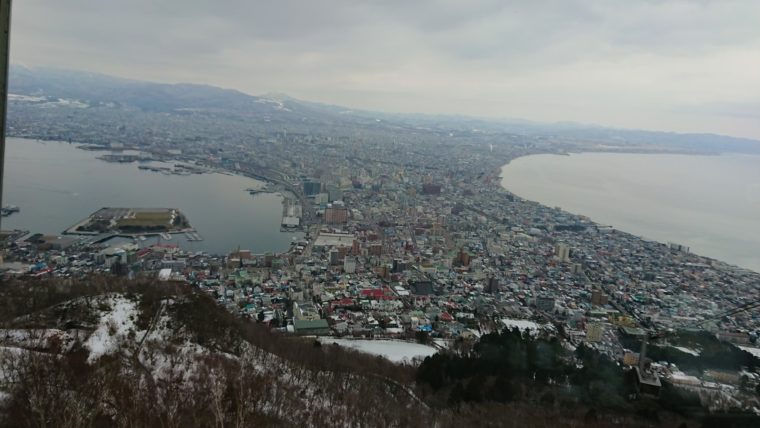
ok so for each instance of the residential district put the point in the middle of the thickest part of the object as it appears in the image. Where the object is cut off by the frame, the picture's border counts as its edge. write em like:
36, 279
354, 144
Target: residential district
420, 242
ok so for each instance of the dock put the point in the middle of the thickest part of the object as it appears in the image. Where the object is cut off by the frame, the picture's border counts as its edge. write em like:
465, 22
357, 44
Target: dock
193, 236
291, 213
8, 210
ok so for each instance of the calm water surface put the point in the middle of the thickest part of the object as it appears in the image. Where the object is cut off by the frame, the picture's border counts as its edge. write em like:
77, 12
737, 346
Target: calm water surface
56, 185
709, 203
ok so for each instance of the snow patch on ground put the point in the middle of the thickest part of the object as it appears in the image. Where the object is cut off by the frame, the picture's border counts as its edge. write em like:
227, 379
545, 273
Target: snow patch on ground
525, 325
688, 350
278, 105
9, 355
113, 327
47, 102
72, 103
751, 350
24, 98
393, 350
443, 343
49, 338
179, 362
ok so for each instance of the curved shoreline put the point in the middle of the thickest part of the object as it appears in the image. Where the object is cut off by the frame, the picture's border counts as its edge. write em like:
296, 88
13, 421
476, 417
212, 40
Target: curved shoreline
594, 217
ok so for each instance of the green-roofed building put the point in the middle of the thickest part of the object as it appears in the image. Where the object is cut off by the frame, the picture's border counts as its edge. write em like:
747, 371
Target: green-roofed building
633, 332
311, 327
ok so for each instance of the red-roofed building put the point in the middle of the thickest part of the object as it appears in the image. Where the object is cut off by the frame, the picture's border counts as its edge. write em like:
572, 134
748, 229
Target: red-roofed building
344, 303
143, 252
384, 293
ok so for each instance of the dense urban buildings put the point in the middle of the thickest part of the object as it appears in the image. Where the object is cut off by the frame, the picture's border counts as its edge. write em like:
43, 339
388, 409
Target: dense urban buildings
409, 235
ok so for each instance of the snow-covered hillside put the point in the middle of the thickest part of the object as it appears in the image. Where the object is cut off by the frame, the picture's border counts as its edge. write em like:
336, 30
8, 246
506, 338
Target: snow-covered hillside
175, 354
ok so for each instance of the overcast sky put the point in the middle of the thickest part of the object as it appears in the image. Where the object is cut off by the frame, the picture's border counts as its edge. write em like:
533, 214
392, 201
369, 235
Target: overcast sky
691, 66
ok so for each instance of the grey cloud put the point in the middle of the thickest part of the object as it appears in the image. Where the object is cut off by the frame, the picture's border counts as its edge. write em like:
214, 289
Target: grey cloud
732, 110
535, 59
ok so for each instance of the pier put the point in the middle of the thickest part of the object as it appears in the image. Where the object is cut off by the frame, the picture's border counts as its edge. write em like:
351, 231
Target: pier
193, 236
292, 212
8, 210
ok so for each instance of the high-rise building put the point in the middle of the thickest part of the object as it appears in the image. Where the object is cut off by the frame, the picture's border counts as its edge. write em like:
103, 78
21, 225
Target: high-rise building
492, 285
311, 188
678, 247
598, 298
594, 332
463, 258
336, 214
545, 303
321, 199
375, 249
334, 193
562, 252
334, 256
349, 265
398, 266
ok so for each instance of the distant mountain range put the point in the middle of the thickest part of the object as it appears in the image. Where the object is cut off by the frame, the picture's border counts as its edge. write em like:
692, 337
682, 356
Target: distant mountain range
96, 89
43, 85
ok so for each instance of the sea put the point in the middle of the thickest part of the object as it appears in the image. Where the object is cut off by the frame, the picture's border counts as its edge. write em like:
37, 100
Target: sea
55, 185
710, 203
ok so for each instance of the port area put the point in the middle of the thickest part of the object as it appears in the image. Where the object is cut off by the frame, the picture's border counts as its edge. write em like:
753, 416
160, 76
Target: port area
8, 210
292, 212
135, 222
178, 169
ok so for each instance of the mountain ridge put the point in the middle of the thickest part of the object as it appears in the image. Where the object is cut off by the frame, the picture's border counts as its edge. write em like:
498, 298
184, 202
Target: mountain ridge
101, 89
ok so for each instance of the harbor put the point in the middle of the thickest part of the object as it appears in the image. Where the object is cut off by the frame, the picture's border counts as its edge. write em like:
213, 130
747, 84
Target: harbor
292, 210
226, 217
133, 222
177, 169
8, 210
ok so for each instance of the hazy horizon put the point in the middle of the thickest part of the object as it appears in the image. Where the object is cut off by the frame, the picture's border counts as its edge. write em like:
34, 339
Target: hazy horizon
682, 66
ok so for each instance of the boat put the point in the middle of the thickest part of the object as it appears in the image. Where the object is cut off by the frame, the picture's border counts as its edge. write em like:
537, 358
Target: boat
166, 236
142, 237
